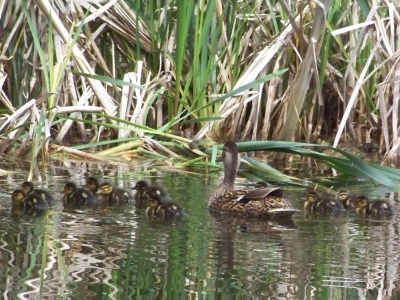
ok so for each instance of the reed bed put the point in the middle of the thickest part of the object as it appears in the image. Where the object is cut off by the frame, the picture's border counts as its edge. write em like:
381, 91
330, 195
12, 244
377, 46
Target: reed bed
167, 77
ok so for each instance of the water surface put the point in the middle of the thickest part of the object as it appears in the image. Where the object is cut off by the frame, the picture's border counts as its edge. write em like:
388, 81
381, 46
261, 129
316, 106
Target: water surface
117, 253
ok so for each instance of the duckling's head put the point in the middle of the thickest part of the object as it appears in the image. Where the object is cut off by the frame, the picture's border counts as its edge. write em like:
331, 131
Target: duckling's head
313, 197
27, 187
141, 186
92, 184
154, 201
343, 194
18, 196
106, 188
70, 187
362, 202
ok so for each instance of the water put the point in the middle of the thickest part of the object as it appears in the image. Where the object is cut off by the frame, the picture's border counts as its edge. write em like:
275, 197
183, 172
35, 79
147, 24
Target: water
116, 253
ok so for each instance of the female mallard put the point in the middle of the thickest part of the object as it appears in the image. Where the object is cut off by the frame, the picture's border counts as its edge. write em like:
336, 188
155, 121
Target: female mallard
377, 207
77, 196
92, 184
113, 195
29, 204
29, 188
161, 210
315, 202
141, 198
257, 202
348, 200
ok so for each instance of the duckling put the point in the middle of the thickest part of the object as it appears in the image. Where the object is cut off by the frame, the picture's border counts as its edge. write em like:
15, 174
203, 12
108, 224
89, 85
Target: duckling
17, 198
77, 196
257, 202
163, 211
29, 204
378, 207
315, 202
113, 195
29, 188
348, 200
141, 188
92, 184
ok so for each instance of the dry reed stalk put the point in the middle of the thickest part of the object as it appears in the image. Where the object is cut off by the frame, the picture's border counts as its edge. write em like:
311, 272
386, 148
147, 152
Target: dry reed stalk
303, 76
80, 60
81, 154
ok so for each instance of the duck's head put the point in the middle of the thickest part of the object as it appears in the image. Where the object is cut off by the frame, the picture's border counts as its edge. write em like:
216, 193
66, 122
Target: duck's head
312, 197
362, 202
70, 187
342, 194
92, 184
106, 188
18, 196
27, 187
141, 186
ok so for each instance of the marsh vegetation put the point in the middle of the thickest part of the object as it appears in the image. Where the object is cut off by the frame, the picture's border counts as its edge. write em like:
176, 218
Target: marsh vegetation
151, 78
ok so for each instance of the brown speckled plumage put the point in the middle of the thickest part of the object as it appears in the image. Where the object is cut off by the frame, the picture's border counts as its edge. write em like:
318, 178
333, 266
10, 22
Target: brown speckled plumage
257, 202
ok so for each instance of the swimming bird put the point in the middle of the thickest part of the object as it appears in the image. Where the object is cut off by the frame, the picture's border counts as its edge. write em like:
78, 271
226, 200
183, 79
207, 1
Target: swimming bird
315, 202
348, 199
377, 207
257, 202
141, 199
77, 196
161, 210
92, 184
27, 203
29, 188
113, 195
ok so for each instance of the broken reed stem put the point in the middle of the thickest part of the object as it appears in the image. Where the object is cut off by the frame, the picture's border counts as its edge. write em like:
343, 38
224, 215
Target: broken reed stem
81, 154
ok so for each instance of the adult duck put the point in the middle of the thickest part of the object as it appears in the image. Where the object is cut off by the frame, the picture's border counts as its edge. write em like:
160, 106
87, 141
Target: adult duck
268, 201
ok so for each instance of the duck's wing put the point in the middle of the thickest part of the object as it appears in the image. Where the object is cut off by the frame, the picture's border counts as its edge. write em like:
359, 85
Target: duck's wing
259, 194
282, 212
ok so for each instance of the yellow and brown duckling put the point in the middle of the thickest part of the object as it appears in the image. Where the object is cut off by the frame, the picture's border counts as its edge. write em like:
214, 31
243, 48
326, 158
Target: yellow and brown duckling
348, 199
315, 202
141, 198
162, 210
377, 207
29, 188
78, 196
256, 202
113, 195
27, 203
92, 184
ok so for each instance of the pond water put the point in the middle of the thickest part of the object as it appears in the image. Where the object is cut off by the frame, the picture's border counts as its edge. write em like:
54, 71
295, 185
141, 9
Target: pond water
116, 253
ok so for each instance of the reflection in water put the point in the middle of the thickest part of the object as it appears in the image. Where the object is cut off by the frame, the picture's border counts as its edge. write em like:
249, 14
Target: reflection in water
117, 253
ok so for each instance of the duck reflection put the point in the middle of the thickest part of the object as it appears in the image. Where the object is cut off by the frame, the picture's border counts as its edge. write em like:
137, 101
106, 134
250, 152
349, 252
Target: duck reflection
252, 241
